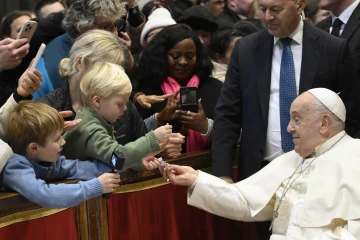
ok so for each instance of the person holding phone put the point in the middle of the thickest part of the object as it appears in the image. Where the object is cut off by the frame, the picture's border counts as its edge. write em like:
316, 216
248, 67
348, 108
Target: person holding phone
174, 59
12, 23
11, 52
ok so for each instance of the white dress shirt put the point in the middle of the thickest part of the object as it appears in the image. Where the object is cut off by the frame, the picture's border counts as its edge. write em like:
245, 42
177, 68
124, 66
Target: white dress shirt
273, 140
344, 16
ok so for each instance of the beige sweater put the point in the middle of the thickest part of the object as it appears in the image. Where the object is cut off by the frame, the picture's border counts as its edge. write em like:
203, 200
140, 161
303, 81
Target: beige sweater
5, 111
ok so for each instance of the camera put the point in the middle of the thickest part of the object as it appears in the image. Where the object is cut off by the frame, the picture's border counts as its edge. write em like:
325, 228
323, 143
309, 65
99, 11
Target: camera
188, 99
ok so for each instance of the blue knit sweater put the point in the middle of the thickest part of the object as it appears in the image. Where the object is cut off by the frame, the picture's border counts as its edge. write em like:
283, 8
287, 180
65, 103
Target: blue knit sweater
30, 180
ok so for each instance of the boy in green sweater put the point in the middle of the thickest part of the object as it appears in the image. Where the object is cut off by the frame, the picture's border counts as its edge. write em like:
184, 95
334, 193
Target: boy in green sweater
106, 88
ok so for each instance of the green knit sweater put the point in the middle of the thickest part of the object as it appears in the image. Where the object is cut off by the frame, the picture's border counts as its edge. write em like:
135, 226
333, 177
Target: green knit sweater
94, 138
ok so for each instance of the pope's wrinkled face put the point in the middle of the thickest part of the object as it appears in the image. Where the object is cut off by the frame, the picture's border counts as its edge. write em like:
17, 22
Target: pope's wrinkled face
305, 125
281, 17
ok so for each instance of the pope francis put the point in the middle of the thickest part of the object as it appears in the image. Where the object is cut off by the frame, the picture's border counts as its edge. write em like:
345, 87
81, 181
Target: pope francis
311, 193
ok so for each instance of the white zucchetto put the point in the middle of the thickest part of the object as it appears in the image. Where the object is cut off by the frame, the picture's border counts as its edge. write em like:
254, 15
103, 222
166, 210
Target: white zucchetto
331, 100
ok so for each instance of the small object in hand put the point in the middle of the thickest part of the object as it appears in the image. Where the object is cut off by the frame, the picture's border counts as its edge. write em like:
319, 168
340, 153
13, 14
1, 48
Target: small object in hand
162, 162
188, 112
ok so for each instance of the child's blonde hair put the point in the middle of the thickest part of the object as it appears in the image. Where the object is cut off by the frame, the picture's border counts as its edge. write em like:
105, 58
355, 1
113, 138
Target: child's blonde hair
33, 122
91, 47
105, 79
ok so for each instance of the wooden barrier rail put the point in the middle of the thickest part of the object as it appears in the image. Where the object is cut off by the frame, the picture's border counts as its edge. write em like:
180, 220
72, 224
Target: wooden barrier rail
91, 217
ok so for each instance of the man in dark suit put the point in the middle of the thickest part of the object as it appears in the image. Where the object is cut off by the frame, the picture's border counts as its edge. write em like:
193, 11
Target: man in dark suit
234, 11
268, 70
348, 12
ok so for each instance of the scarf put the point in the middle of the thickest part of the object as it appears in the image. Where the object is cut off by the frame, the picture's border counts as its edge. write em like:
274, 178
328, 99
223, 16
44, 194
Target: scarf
194, 140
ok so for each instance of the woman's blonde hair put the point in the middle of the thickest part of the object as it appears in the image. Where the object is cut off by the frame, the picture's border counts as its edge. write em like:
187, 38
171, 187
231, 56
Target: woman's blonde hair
33, 122
91, 47
105, 79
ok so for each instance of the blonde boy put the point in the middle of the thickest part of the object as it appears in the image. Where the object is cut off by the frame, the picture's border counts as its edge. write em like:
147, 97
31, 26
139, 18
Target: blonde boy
106, 88
35, 134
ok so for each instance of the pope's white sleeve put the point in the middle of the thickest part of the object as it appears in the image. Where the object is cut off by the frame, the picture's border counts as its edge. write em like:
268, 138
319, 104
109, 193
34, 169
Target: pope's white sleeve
216, 196
349, 232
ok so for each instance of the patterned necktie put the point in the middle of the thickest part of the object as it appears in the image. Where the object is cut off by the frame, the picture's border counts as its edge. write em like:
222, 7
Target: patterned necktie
336, 27
287, 93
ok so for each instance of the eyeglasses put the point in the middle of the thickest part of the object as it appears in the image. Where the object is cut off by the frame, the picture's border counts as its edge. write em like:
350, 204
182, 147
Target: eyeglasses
110, 26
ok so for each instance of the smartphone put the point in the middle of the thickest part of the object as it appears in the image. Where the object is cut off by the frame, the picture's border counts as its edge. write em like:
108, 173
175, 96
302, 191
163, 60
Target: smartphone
117, 160
27, 30
188, 99
123, 28
37, 57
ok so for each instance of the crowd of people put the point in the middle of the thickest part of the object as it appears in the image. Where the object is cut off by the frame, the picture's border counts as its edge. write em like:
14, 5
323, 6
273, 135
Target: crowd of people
277, 78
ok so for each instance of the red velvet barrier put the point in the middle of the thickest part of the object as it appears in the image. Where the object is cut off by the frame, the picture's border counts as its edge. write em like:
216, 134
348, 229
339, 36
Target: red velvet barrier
59, 226
162, 213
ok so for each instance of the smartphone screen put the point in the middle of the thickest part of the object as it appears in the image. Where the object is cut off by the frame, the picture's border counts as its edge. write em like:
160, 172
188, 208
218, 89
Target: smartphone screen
113, 160
188, 99
117, 160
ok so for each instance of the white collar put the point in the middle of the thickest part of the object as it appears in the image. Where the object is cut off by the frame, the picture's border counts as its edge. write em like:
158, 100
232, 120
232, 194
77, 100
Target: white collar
324, 147
345, 15
297, 35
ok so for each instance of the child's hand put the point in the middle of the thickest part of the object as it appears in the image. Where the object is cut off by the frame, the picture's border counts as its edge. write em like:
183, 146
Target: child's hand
109, 182
163, 133
149, 163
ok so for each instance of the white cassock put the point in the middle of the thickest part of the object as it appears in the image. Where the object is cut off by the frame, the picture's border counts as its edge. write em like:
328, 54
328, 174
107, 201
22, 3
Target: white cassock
323, 203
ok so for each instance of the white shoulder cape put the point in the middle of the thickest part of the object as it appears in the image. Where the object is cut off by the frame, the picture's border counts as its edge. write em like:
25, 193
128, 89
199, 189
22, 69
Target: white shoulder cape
334, 189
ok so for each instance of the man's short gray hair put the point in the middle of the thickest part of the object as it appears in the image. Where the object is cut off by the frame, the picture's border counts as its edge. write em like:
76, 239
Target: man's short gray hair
320, 108
81, 14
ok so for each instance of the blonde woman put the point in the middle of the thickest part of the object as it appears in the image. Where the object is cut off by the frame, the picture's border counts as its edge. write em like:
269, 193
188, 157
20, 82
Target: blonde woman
100, 46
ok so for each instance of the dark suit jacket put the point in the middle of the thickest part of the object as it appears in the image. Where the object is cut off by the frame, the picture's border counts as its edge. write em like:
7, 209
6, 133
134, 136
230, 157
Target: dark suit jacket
227, 19
244, 100
351, 33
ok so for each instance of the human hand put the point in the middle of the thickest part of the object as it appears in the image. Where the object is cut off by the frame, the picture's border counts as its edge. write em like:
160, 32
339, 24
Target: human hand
195, 121
129, 59
169, 112
149, 163
181, 175
68, 125
163, 133
125, 39
178, 175
173, 148
29, 82
146, 101
109, 182
12, 51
